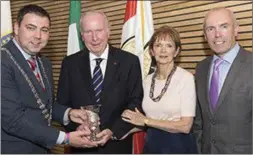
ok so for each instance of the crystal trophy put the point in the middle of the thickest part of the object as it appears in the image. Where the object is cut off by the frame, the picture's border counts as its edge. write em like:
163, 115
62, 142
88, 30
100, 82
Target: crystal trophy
93, 120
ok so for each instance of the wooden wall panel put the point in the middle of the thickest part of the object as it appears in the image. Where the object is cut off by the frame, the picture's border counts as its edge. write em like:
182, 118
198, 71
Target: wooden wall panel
185, 16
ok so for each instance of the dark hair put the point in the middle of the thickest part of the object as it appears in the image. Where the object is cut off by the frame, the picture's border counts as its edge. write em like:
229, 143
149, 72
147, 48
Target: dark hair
164, 32
35, 9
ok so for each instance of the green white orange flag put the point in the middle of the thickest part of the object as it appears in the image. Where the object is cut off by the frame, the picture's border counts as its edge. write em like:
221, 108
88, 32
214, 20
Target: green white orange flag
74, 40
6, 22
136, 33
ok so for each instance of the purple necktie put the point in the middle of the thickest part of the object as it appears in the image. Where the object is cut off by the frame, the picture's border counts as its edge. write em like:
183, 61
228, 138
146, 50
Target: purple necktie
214, 85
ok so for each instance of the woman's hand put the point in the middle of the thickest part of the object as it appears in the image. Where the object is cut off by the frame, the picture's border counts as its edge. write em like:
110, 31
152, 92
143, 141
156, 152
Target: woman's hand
134, 117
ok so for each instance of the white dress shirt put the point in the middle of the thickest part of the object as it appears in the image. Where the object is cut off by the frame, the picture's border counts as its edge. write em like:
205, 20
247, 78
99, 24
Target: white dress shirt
224, 67
103, 64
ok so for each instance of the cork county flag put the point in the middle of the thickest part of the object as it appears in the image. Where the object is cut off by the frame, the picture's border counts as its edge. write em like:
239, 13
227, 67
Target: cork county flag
136, 33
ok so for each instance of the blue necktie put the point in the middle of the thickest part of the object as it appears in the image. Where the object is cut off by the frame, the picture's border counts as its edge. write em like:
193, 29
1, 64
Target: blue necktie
97, 80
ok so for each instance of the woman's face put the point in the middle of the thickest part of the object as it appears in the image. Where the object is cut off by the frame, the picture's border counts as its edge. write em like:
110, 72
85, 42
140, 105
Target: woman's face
164, 51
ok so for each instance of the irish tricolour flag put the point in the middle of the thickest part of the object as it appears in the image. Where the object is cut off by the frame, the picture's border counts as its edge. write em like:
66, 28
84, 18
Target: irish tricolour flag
74, 39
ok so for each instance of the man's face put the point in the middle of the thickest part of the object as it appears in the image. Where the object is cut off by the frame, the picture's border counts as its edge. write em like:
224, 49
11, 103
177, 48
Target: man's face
95, 33
33, 33
220, 31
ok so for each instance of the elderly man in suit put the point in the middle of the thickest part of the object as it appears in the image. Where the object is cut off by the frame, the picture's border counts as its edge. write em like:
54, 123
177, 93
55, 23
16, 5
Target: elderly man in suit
27, 91
101, 74
223, 122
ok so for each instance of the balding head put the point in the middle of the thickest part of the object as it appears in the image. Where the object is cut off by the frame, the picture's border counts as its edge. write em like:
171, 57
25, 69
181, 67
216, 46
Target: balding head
95, 31
91, 13
221, 30
227, 11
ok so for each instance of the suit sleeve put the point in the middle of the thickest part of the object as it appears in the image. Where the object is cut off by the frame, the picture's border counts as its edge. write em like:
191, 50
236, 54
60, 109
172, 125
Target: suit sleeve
58, 110
197, 124
63, 94
16, 118
134, 98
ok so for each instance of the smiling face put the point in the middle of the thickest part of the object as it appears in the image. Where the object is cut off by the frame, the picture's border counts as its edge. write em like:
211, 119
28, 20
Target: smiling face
95, 32
33, 33
165, 45
164, 51
220, 30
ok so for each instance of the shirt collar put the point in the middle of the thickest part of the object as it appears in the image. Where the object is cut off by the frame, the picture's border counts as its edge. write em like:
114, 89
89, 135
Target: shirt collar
26, 56
230, 55
104, 55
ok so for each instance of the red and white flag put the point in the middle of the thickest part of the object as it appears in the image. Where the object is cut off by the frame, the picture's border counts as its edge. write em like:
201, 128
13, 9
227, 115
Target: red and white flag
136, 33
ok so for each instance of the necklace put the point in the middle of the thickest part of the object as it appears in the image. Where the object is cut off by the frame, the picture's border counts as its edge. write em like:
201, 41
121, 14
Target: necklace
152, 87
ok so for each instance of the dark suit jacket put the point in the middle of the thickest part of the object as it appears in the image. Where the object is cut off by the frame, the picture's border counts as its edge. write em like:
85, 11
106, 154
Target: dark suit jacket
122, 90
24, 129
229, 128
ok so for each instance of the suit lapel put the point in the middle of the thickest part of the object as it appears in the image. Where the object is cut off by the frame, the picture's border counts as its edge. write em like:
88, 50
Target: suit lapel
205, 83
24, 65
110, 73
48, 89
231, 76
84, 63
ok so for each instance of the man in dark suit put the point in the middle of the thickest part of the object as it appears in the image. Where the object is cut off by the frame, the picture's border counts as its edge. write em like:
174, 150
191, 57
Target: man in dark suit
27, 91
223, 122
121, 84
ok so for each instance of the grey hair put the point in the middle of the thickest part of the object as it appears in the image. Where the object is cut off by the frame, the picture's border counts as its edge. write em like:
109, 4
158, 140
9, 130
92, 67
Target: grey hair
107, 24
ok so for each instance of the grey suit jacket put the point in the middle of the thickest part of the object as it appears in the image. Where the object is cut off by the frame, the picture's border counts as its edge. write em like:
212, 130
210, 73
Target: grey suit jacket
229, 128
24, 129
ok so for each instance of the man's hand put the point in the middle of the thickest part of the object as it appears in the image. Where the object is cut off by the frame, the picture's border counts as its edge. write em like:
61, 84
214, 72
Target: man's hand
79, 139
78, 116
85, 128
104, 136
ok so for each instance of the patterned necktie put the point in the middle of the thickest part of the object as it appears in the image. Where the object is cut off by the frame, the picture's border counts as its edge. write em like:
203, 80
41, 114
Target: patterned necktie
214, 85
97, 80
33, 65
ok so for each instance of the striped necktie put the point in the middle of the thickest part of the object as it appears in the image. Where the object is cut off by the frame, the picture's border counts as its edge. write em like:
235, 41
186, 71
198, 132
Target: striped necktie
97, 80
33, 65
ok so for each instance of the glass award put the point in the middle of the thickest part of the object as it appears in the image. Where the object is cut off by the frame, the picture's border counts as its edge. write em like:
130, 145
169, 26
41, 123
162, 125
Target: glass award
93, 120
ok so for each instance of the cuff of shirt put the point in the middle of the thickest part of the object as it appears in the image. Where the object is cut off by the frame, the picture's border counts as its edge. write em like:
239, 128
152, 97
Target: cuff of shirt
61, 137
66, 117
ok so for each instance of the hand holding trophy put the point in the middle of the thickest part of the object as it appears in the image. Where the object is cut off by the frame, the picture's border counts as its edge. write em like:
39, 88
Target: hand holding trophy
93, 120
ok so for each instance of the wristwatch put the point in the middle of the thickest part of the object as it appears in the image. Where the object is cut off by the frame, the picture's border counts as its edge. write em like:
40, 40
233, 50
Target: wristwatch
146, 121
114, 137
